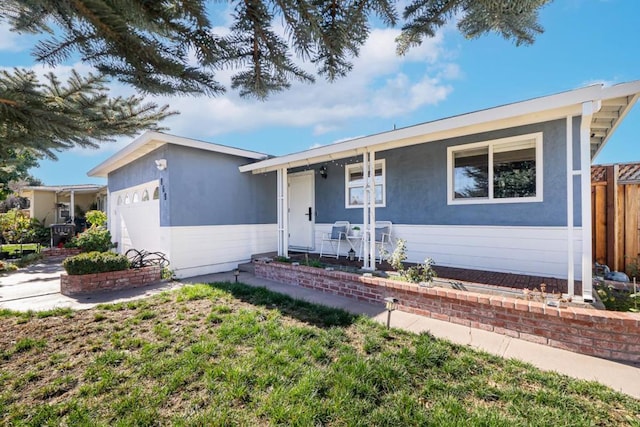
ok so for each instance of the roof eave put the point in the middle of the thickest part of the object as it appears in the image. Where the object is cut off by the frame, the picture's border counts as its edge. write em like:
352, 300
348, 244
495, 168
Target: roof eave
557, 105
150, 141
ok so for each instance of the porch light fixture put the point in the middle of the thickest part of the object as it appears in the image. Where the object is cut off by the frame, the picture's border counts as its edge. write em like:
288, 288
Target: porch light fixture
390, 304
161, 164
352, 255
323, 172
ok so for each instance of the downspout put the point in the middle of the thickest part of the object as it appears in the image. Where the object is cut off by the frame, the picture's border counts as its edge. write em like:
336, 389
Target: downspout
588, 110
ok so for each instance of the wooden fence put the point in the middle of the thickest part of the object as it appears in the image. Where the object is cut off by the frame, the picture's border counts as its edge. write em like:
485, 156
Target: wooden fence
615, 210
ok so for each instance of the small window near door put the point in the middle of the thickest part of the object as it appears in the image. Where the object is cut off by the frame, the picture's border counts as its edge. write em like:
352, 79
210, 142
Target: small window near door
127, 200
156, 193
145, 196
355, 184
136, 198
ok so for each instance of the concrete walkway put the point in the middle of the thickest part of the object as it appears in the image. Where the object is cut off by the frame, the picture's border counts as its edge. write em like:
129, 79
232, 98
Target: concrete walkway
38, 288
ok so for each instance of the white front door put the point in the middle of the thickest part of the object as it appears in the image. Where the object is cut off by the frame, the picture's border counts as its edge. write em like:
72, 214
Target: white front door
301, 210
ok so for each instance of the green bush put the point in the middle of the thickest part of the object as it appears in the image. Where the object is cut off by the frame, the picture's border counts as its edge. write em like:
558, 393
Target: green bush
95, 262
94, 239
28, 259
96, 218
15, 227
7, 266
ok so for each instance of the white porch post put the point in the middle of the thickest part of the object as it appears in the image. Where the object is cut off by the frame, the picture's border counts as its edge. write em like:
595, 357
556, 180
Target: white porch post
72, 206
570, 173
372, 208
588, 109
283, 209
365, 213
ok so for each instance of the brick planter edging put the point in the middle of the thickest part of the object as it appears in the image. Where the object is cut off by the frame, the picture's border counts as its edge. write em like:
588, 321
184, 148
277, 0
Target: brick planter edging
607, 334
59, 252
71, 285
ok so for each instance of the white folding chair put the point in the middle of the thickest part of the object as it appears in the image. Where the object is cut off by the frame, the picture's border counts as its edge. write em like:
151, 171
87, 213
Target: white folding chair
382, 238
337, 236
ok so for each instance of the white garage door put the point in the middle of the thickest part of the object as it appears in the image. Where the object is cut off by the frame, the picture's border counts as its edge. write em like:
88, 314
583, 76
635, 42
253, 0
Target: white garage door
135, 221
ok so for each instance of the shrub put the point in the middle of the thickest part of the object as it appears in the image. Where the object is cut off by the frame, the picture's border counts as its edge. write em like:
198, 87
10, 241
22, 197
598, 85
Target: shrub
95, 262
96, 218
16, 227
7, 266
95, 239
420, 273
41, 234
28, 259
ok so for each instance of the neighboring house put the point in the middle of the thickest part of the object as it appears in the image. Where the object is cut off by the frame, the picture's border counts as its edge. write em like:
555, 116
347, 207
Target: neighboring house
615, 196
499, 189
56, 204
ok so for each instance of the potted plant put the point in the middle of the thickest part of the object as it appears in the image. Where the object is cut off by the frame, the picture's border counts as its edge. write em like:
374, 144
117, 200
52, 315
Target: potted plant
355, 231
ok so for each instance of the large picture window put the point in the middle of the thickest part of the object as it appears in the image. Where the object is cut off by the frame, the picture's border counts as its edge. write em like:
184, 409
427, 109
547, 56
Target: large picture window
354, 183
500, 171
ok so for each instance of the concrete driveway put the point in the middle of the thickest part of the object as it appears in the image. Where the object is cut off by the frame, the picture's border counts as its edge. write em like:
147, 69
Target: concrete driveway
37, 288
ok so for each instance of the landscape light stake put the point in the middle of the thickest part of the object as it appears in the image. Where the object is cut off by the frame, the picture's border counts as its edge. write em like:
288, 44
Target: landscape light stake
236, 273
390, 304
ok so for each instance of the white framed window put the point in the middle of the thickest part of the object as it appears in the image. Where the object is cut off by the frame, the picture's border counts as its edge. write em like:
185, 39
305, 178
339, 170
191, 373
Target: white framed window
507, 170
156, 193
127, 200
145, 195
354, 184
136, 197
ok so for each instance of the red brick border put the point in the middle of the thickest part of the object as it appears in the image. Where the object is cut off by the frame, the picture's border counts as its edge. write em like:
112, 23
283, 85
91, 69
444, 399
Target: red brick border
607, 334
110, 281
59, 252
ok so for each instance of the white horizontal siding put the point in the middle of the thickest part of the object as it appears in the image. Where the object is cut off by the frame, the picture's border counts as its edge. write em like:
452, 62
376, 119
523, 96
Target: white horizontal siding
211, 249
539, 251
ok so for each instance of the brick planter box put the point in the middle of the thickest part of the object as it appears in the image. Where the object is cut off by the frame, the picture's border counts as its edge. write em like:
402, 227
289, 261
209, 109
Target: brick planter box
59, 252
608, 334
110, 281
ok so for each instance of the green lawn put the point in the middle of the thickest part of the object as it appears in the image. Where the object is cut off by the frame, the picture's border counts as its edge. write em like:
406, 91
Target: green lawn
226, 354
15, 248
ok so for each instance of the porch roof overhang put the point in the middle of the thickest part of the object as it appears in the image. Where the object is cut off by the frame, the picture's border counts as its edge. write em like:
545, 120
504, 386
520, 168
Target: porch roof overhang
67, 189
150, 141
615, 102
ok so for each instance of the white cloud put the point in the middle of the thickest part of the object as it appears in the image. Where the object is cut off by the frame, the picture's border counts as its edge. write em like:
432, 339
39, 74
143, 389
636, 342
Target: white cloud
10, 41
381, 85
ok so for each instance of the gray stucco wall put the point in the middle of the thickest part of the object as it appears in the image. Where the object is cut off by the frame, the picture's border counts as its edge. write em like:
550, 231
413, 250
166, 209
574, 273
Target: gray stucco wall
202, 187
140, 171
417, 186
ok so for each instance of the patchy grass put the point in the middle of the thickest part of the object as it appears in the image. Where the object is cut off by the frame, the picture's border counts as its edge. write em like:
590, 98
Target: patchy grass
229, 354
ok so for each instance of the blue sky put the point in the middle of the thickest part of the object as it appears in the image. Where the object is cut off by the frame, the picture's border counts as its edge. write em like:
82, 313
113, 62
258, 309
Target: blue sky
585, 42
